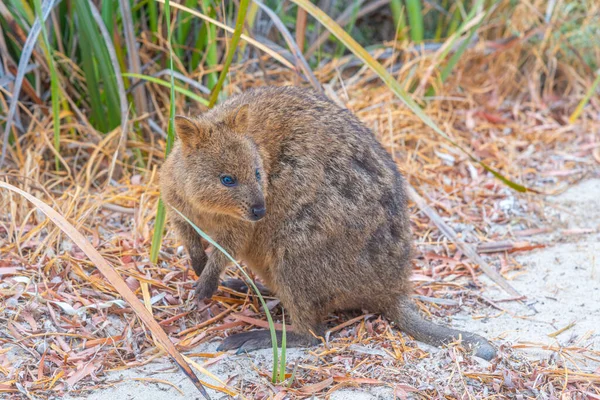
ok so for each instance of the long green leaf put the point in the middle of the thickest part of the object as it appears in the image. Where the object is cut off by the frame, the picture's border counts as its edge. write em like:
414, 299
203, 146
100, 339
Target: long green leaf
157, 235
471, 24
161, 82
108, 15
394, 86
239, 26
98, 70
159, 224
283, 352
415, 19
250, 282
24, 10
588, 95
54, 83
398, 16
153, 17
456, 16
171, 128
184, 24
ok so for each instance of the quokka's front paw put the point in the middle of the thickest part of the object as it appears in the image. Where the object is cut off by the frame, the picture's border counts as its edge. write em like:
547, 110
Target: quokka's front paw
205, 289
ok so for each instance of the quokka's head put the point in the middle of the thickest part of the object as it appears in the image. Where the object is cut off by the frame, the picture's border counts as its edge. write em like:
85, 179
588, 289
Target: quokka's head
221, 168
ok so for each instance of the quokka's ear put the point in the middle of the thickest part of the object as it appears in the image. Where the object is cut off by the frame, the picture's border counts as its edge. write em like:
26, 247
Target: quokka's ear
238, 119
190, 132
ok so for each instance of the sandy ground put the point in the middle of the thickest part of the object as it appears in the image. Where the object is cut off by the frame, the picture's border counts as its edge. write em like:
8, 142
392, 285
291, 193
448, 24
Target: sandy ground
561, 282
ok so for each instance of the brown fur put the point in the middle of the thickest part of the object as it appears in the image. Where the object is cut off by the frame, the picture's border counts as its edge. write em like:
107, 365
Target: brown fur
336, 234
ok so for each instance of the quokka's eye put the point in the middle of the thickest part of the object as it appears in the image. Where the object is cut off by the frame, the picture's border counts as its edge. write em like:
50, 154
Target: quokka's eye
257, 175
228, 180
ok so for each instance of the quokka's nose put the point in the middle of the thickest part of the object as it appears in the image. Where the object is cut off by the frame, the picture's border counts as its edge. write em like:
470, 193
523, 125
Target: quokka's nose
258, 212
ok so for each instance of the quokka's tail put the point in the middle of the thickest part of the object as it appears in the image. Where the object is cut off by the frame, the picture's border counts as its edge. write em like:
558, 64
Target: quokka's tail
410, 322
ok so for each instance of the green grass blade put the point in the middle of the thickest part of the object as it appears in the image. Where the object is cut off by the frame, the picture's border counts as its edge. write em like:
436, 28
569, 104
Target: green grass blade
250, 21
162, 82
586, 99
471, 24
293, 377
210, 44
399, 18
239, 26
153, 17
93, 86
415, 20
439, 21
24, 10
199, 48
123, 103
283, 352
454, 22
171, 128
447, 70
394, 86
250, 282
266, 49
54, 83
98, 70
184, 25
107, 12
339, 51
159, 225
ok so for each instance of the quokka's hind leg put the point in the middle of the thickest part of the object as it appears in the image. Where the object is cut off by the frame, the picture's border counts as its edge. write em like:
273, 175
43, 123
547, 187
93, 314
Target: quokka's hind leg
409, 321
302, 335
306, 321
261, 339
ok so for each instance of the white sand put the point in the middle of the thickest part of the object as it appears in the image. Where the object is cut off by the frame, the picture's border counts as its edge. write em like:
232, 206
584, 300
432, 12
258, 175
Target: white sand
561, 282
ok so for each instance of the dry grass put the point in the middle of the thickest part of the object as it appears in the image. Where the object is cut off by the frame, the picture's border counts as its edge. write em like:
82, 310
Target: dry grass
506, 114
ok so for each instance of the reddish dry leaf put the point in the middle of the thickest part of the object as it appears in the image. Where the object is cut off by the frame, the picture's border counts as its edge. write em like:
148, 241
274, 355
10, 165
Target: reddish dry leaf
316, 387
493, 118
4, 388
280, 396
592, 395
401, 391
359, 381
225, 326
350, 322
421, 278
508, 246
9, 270
83, 370
569, 232
103, 341
30, 320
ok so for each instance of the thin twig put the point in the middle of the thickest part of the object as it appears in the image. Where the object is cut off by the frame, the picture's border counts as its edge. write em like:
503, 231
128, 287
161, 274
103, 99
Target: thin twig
466, 249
